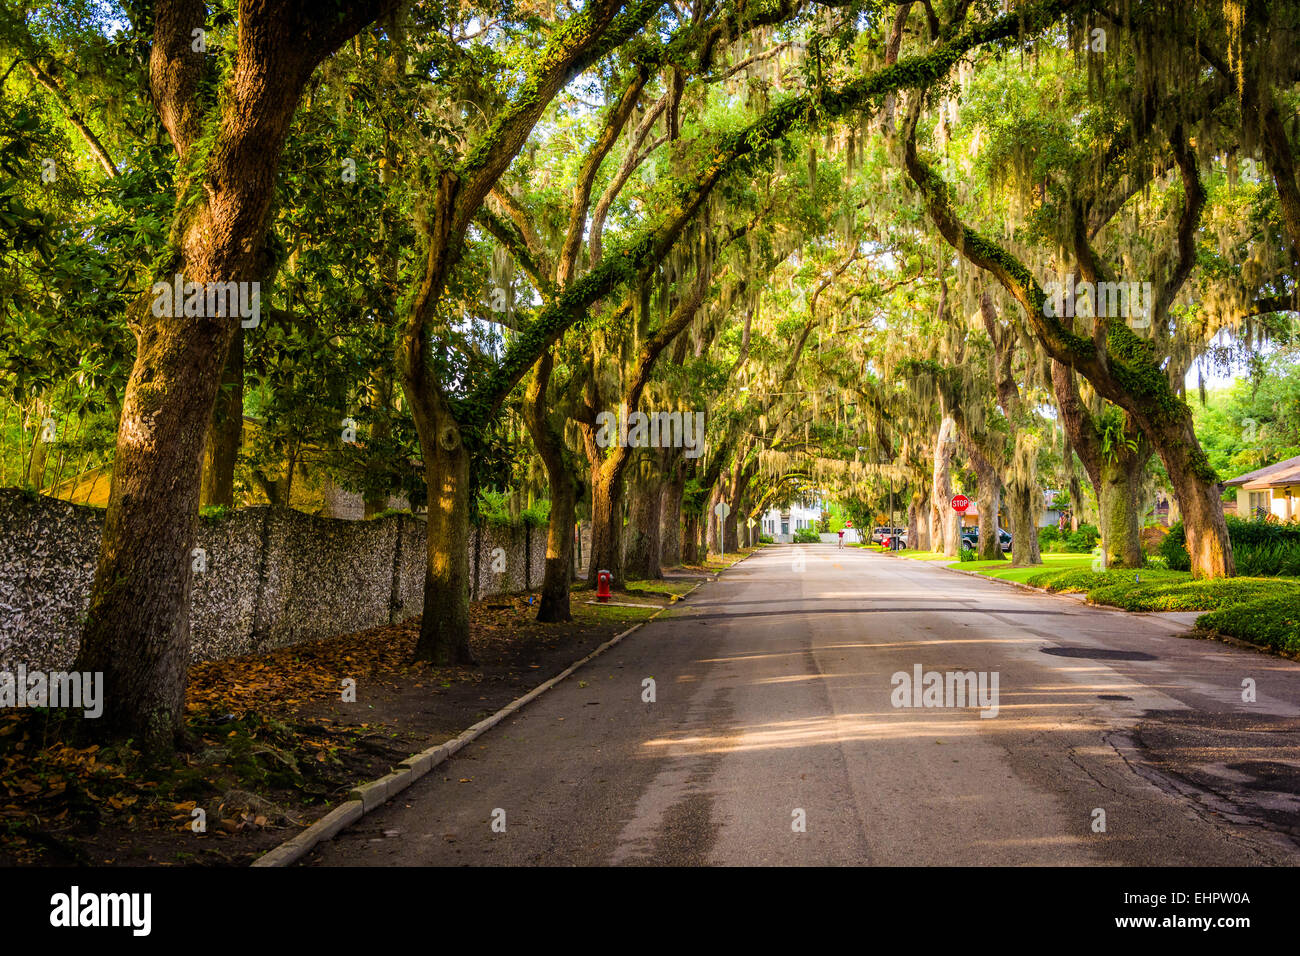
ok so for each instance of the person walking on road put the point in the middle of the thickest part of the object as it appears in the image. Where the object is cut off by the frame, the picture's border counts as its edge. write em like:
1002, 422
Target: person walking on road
841, 539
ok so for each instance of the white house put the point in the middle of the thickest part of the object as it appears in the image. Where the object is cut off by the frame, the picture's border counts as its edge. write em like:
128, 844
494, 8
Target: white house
1274, 489
781, 524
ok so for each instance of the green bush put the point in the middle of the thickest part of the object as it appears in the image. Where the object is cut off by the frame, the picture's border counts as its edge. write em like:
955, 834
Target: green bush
1268, 560
539, 515
806, 536
494, 508
766, 539
1155, 590
1083, 540
966, 554
1269, 621
1263, 548
1052, 540
1174, 549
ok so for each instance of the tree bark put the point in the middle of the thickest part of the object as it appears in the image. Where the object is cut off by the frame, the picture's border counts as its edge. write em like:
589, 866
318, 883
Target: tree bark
691, 538
989, 498
671, 526
606, 526
943, 520
1120, 496
1022, 501
548, 439
559, 551
643, 552
225, 431
137, 628
444, 626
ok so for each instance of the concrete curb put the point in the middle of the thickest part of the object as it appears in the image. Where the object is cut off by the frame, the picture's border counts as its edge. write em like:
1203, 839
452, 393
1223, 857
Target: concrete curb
366, 797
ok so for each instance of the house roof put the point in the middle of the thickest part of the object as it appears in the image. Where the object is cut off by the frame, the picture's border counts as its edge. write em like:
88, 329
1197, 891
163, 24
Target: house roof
1271, 476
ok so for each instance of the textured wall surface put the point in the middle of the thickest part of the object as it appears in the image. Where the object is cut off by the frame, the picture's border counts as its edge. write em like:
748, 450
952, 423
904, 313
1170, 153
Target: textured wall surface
264, 578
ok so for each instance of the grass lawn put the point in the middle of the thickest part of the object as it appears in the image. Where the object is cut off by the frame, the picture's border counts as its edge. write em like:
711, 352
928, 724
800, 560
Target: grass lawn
1004, 570
917, 555
665, 586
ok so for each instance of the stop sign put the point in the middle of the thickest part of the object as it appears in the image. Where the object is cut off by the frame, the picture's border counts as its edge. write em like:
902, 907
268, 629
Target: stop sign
960, 503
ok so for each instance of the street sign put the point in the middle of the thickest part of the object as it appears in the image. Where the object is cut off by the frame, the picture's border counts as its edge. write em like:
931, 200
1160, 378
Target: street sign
848, 524
722, 509
960, 503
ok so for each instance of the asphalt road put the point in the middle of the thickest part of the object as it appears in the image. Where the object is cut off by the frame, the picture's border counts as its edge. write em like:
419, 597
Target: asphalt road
774, 706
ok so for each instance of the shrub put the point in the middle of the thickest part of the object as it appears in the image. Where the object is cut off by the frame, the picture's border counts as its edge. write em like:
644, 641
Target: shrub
1083, 540
1268, 560
766, 539
1049, 534
1263, 548
539, 515
214, 513
806, 536
1174, 549
1270, 621
966, 554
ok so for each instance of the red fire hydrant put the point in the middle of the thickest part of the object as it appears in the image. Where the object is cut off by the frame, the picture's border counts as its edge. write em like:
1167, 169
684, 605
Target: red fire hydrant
602, 585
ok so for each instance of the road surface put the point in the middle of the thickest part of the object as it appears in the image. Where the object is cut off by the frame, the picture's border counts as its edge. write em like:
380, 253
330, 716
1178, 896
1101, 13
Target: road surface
774, 739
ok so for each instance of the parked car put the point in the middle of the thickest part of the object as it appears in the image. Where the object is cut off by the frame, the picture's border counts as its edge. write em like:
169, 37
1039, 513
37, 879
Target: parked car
896, 541
878, 535
970, 537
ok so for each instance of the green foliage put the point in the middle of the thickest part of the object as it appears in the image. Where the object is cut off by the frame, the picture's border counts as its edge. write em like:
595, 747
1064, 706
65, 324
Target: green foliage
1259, 547
1083, 540
805, 536
1278, 558
1268, 621
500, 508
1153, 590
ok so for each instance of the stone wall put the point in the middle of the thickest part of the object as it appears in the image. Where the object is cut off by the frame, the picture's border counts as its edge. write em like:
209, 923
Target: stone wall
263, 578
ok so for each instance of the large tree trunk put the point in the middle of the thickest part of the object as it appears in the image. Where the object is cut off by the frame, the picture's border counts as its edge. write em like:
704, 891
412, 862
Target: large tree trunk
1120, 495
559, 550
606, 527
1116, 476
1201, 506
642, 557
943, 520
444, 627
914, 523
225, 431
989, 499
548, 439
670, 534
138, 626
691, 537
1022, 501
